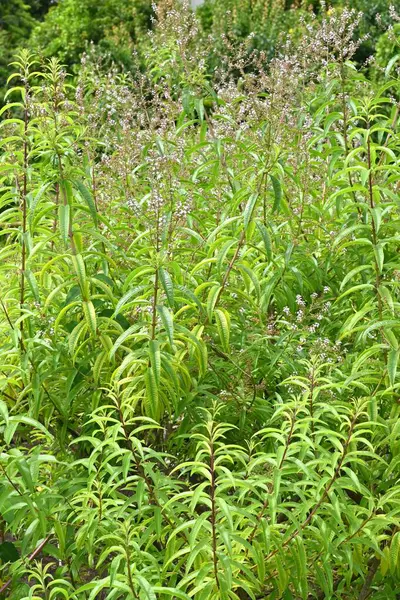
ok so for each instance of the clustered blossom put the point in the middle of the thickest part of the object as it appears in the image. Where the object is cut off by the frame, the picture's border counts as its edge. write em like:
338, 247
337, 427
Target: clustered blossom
134, 206
183, 208
394, 15
45, 324
332, 38
300, 301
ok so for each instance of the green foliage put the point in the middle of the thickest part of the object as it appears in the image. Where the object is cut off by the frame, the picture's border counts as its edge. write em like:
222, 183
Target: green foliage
113, 26
387, 52
16, 23
199, 381
39, 7
265, 21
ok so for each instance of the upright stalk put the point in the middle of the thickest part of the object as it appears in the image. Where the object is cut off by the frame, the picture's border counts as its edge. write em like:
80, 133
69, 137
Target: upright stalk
312, 387
324, 495
128, 568
213, 516
154, 306
23, 199
373, 226
265, 503
345, 126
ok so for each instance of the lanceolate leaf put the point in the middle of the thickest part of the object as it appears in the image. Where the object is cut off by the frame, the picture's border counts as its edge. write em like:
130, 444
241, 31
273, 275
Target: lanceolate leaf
276, 186
151, 403
167, 285
90, 316
167, 321
64, 216
155, 360
212, 299
393, 359
88, 198
223, 325
249, 210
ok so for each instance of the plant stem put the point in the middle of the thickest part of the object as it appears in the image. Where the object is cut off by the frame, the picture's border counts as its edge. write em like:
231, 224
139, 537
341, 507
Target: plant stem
154, 306
345, 126
24, 206
265, 504
373, 226
373, 567
323, 496
213, 516
29, 559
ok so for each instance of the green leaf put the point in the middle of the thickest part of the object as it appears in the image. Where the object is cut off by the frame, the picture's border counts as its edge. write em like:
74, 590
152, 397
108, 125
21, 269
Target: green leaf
33, 205
393, 358
391, 64
146, 587
249, 210
31, 279
167, 321
173, 592
80, 270
26, 475
128, 296
90, 316
167, 285
266, 239
64, 215
88, 198
4, 411
354, 272
155, 360
386, 297
32, 423
122, 338
8, 552
276, 186
212, 299
6, 107
151, 404
75, 336
222, 319
379, 256
394, 552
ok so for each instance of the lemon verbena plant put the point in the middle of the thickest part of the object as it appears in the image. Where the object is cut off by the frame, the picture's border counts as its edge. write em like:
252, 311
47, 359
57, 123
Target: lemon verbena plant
199, 323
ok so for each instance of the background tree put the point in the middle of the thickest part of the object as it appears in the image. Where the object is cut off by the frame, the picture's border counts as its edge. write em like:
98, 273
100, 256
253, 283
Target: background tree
113, 26
16, 24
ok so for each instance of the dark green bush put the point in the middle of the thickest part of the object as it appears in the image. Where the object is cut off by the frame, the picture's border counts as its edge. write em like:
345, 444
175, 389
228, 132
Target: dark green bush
112, 25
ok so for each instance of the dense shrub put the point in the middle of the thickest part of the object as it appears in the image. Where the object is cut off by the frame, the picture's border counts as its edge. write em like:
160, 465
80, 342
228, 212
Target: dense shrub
111, 25
387, 53
16, 23
269, 21
199, 323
